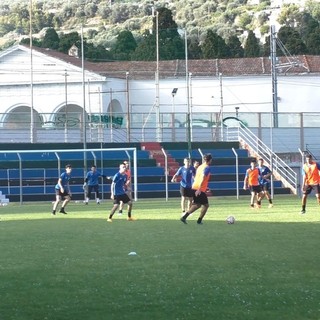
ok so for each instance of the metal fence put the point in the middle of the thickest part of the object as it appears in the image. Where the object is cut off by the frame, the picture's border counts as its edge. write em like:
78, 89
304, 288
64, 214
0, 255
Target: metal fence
142, 127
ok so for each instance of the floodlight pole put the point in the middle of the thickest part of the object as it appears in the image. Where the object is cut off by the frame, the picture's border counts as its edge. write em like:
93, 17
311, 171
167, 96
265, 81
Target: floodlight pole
31, 80
128, 107
158, 134
173, 93
188, 94
273, 52
84, 120
65, 108
221, 105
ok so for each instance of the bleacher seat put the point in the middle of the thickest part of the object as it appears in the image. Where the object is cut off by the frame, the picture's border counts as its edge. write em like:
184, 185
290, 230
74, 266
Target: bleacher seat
40, 172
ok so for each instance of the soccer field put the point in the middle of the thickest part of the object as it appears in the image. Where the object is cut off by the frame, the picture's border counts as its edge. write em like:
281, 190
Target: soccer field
77, 266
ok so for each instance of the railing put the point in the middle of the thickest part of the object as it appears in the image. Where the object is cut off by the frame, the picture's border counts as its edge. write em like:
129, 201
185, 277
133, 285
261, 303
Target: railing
249, 141
141, 127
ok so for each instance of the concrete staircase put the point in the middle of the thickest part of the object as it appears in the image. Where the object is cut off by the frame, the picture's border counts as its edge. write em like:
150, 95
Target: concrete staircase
155, 151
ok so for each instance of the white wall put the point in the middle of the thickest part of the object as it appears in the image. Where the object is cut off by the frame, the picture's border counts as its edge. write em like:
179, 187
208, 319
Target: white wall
250, 94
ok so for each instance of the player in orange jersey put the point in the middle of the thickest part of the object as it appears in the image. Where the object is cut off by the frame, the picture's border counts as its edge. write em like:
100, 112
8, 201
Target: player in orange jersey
200, 186
251, 182
311, 180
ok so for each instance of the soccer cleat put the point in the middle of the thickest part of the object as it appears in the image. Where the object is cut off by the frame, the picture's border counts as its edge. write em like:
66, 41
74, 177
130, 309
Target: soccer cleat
270, 205
131, 219
184, 220
120, 212
98, 202
109, 220
53, 212
303, 211
62, 211
200, 223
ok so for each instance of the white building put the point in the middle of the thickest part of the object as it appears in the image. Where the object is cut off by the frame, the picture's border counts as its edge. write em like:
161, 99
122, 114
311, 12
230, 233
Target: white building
62, 91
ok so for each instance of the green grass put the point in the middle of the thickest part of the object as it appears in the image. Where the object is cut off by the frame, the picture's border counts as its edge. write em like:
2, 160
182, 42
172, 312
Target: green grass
265, 266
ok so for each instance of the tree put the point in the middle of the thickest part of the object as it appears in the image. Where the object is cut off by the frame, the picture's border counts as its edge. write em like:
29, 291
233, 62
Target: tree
251, 47
68, 40
35, 42
235, 48
289, 15
104, 10
266, 48
90, 10
313, 42
51, 39
171, 46
307, 25
292, 41
120, 13
244, 20
146, 49
314, 8
214, 46
194, 48
124, 46
96, 54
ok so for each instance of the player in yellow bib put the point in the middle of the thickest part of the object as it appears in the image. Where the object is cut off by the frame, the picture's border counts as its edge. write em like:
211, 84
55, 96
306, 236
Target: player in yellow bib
200, 186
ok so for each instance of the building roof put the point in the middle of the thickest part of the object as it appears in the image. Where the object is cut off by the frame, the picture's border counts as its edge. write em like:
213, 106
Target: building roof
298, 65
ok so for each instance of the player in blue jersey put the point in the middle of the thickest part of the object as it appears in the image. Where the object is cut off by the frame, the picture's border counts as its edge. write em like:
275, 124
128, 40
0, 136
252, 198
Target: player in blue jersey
187, 173
118, 192
265, 175
92, 184
62, 189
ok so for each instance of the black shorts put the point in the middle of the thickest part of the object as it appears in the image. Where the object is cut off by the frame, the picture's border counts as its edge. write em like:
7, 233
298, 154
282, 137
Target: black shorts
200, 199
123, 197
255, 189
309, 188
94, 188
62, 194
186, 192
266, 186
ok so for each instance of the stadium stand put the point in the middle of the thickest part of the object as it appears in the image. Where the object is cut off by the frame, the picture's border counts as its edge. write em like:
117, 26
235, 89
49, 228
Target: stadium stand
40, 170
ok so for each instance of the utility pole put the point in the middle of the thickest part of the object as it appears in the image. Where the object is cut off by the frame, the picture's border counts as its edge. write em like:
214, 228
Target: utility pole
31, 79
273, 53
221, 106
188, 75
84, 114
158, 132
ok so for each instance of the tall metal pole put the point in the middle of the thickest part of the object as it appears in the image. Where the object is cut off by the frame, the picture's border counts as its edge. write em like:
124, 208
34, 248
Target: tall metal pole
273, 52
31, 79
128, 107
188, 93
221, 105
84, 120
158, 133
65, 108
191, 105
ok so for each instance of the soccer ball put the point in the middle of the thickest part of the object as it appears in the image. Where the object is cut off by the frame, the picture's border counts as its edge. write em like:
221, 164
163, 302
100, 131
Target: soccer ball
231, 220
